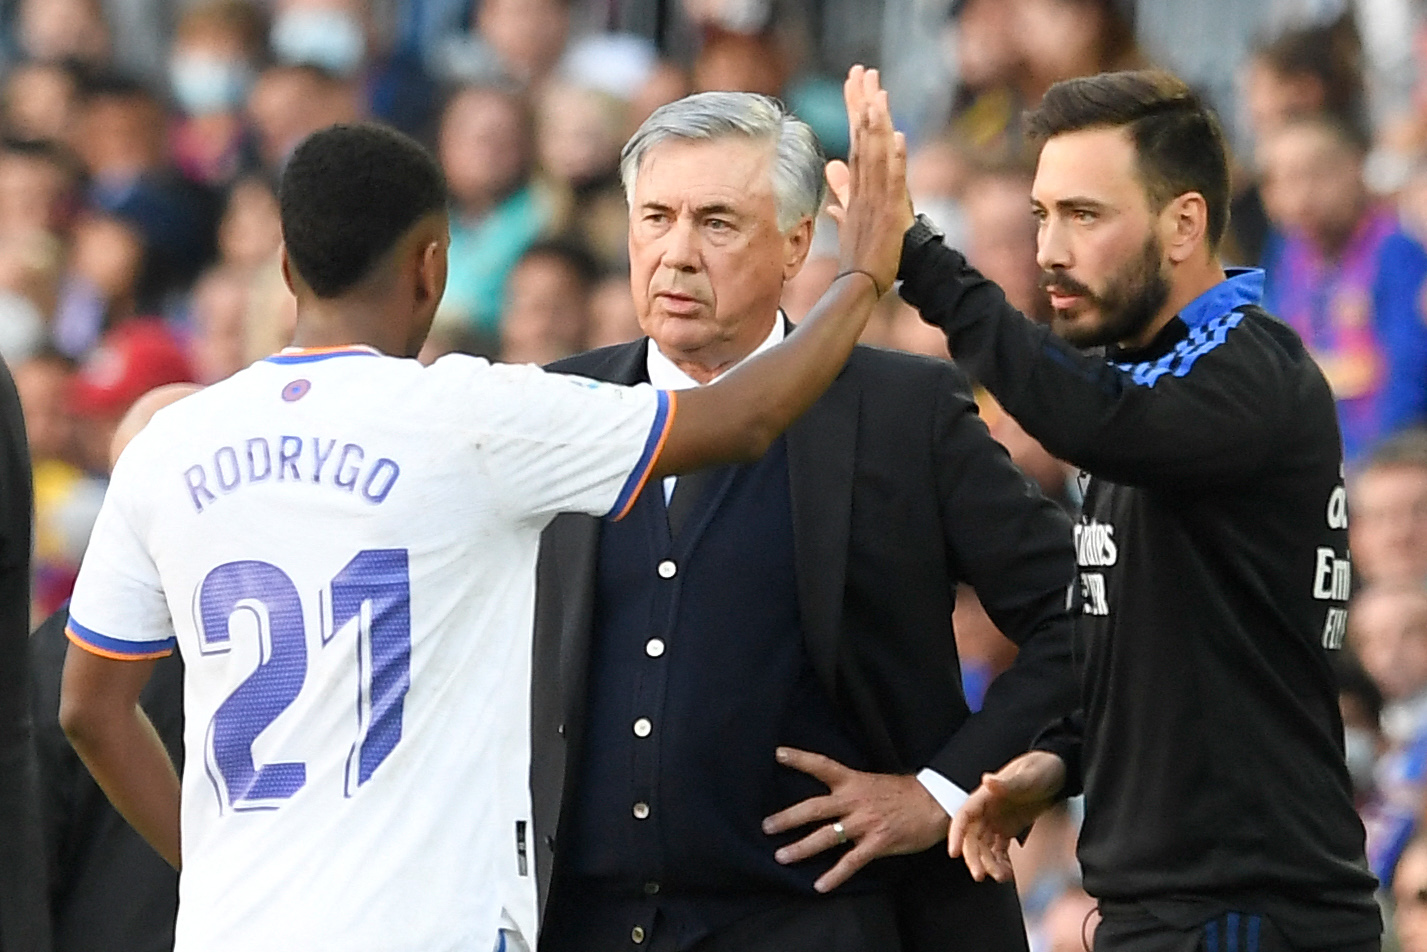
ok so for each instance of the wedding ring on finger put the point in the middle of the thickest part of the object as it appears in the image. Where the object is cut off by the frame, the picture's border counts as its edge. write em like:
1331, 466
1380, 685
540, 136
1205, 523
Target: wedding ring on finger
840, 831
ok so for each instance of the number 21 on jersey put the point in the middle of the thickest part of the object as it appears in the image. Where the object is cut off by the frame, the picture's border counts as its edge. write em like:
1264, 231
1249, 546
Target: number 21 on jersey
374, 589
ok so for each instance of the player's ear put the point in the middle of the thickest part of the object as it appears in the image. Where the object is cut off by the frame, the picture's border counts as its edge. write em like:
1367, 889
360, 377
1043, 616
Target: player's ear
286, 269
1185, 224
797, 242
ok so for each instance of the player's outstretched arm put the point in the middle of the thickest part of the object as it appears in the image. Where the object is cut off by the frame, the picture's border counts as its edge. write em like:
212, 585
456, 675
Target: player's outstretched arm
100, 713
739, 416
1001, 809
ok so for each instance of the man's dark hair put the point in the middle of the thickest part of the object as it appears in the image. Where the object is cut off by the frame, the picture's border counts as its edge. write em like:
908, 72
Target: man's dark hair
1330, 54
1178, 142
571, 253
348, 194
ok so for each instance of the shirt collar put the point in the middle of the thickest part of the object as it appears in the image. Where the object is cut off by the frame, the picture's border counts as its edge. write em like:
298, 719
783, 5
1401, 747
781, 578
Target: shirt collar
664, 374
1240, 286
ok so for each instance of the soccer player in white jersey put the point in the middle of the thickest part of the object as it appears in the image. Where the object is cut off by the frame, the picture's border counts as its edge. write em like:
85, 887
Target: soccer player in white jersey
342, 545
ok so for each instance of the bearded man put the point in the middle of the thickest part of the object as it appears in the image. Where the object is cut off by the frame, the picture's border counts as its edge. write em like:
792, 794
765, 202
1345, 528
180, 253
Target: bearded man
1213, 546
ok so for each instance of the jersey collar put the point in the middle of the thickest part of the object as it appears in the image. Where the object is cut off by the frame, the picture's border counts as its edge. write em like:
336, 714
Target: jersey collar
306, 355
1240, 286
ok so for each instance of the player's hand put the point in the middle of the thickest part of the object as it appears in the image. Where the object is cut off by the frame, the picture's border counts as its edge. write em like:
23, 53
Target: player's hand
872, 207
1004, 806
880, 814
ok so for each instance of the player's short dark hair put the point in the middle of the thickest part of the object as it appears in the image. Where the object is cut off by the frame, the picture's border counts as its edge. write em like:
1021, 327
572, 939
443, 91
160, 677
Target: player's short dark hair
1179, 144
348, 194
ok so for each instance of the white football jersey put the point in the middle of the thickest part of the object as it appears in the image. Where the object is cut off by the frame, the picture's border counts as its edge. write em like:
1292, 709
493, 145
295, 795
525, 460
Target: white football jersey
342, 545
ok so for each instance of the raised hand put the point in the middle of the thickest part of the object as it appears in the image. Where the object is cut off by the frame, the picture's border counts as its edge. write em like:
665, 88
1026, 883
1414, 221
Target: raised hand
1002, 808
873, 208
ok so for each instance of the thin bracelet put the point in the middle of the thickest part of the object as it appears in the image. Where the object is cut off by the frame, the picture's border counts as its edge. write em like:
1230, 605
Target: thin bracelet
875, 286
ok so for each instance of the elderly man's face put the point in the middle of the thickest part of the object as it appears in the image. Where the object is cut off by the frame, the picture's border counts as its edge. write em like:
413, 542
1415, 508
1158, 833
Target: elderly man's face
707, 261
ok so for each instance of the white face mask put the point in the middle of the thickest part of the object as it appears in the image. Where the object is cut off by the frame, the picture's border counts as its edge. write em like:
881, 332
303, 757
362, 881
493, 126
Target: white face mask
330, 39
203, 83
1360, 753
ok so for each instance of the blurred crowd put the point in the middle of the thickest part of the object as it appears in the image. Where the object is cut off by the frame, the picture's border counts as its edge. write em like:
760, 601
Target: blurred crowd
141, 142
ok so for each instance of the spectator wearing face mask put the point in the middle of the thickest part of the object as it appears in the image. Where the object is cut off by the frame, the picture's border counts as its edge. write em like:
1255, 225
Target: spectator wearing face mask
339, 38
212, 67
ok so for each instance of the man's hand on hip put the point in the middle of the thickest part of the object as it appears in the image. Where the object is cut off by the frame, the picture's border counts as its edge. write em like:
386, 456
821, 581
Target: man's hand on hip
880, 814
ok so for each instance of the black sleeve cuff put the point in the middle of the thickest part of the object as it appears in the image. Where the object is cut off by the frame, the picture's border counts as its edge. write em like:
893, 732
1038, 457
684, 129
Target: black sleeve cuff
1065, 742
930, 272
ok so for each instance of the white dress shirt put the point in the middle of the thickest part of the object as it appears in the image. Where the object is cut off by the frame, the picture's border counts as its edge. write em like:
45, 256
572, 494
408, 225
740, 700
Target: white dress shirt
664, 374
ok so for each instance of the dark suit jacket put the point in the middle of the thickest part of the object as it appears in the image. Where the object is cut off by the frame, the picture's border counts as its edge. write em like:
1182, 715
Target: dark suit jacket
898, 494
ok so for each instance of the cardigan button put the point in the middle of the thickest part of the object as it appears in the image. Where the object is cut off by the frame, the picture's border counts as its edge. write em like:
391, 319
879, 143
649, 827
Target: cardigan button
667, 569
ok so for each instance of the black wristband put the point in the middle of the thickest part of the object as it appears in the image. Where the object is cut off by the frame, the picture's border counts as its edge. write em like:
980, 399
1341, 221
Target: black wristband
875, 286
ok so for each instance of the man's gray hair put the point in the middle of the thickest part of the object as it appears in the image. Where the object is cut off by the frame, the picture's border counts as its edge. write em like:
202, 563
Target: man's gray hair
798, 183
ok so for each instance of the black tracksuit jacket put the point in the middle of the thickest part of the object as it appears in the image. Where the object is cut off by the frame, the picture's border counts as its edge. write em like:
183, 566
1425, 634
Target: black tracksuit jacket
1214, 571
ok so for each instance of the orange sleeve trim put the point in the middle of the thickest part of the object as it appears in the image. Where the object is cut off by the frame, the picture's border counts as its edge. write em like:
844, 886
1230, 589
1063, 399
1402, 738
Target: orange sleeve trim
93, 649
673, 398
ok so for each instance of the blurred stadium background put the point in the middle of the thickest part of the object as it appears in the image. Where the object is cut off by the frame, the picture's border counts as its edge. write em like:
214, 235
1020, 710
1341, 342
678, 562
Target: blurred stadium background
140, 141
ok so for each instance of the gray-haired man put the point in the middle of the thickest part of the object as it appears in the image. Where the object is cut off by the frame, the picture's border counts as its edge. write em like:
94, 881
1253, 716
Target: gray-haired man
747, 691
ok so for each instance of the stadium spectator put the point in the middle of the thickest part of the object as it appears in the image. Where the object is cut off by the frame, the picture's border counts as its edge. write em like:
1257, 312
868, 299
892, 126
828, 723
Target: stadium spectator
212, 66
121, 140
132, 359
39, 187
1001, 234
1409, 895
249, 232
1387, 498
1304, 70
1016, 49
1387, 626
741, 62
612, 316
100, 287
521, 40
41, 101
806, 597
289, 103
66, 498
218, 312
56, 30
486, 148
579, 134
1347, 278
547, 303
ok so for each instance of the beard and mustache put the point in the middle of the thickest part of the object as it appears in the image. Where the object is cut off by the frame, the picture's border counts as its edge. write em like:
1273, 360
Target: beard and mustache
1128, 303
